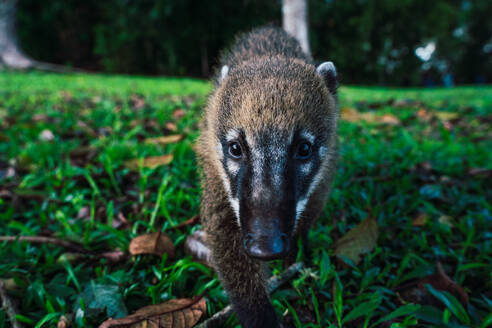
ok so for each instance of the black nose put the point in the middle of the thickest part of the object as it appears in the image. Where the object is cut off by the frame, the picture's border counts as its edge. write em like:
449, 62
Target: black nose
265, 247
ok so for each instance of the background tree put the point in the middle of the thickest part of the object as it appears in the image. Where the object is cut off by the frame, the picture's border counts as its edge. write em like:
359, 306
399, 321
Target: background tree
10, 53
370, 41
295, 21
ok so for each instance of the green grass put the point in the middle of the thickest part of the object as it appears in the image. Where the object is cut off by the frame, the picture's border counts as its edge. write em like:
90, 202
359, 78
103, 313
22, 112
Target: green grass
391, 173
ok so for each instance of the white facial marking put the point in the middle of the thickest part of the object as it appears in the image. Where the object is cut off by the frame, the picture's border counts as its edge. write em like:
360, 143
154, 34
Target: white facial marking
223, 73
306, 168
232, 134
235, 207
308, 136
302, 202
225, 180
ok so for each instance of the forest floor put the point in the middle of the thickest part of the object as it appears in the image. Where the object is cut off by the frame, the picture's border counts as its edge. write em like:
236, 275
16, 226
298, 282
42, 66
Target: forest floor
89, 162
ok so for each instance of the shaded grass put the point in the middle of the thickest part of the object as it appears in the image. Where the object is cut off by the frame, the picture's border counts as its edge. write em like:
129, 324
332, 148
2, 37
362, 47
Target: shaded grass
389, 172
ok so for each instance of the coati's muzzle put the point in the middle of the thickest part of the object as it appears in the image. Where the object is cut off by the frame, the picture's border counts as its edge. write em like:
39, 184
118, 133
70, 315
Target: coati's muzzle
264, 239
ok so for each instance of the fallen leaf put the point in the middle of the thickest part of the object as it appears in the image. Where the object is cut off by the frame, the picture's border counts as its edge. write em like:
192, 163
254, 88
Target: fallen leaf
113, 256
156, 243
67, 95
120, 221
177, 313
46, 135
420, 220
149, 162
84, 213
86, 128
63, 322
447, 221
178, 113
480, 172
4, 193
446, 116
10, 284
173, 138
399, 103
390, 119
354, 116
6, 171
196, 247
137, 101
416, 292
171, 126
360, 240
424, 115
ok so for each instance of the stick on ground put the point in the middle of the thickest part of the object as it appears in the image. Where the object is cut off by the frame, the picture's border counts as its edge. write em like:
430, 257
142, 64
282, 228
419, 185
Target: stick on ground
113, 256
219, 318
8, 306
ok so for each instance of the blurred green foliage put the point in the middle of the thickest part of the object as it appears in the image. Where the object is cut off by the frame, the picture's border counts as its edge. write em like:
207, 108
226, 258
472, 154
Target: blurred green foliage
371, 41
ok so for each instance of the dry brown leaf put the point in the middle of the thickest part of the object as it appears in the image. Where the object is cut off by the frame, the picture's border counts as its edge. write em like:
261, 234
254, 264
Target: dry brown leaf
149, 162
84, 213
177, 313
360, 240
63, 322
86, 128
447, 221
196, 247
156, 243
446, 116
390, 119
424, 114
113, 256
416, 292
120, 222
480, 172
137, 101
171, 126
178, 113
354, 116
46, 135
164, 140
420, 220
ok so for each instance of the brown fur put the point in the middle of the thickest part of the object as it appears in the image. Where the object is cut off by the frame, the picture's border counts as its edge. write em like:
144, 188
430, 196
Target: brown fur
271, 84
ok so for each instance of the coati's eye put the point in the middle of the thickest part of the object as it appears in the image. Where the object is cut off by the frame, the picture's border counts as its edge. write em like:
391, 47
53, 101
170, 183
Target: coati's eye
235, 149
304, 150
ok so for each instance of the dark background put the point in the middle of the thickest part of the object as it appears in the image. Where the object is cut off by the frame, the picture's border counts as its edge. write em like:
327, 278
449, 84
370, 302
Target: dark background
370, 41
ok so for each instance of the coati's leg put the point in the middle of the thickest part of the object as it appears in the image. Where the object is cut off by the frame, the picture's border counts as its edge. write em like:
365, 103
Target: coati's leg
242, 277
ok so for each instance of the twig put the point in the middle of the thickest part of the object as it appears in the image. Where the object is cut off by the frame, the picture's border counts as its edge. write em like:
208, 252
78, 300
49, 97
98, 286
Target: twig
8, 306
219, 318
195, 219
112, 256
47, 240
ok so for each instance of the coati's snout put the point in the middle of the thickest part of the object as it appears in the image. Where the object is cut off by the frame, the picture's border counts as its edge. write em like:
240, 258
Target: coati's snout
265, 240
269, 175
267, 224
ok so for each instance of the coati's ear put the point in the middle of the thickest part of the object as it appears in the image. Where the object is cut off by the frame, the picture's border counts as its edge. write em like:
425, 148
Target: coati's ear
328, 72
223, 73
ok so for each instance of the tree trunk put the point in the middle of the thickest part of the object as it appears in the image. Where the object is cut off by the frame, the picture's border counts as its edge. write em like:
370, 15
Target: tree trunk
10, 54
295, 21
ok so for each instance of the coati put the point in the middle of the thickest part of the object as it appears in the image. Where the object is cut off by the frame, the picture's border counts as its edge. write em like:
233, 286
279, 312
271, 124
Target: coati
267, 151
